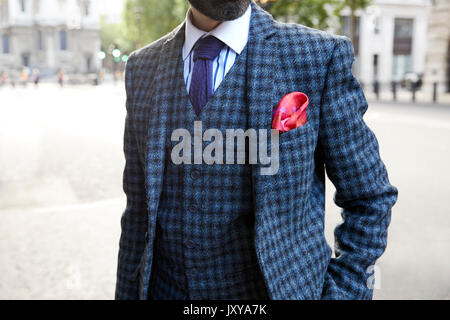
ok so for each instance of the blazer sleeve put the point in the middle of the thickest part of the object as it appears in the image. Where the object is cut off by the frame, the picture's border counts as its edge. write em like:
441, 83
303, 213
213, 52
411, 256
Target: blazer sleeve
353, 164
134, 218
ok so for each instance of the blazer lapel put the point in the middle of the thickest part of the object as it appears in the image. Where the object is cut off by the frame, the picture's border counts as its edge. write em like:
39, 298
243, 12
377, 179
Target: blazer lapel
260, 64
261, 79
164, 83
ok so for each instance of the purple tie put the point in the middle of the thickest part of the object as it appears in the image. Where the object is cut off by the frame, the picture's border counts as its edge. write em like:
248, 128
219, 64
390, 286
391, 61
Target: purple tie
205, 51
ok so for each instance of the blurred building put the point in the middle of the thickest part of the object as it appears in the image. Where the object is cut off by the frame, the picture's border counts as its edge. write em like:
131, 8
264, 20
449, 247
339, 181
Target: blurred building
49, 35
392, 39
438, 58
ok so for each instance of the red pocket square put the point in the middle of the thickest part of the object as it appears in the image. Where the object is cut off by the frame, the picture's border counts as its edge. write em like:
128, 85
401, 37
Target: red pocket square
290, 112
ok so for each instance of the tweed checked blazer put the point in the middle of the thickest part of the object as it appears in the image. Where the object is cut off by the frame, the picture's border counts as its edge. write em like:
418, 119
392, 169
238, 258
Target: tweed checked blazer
289, 207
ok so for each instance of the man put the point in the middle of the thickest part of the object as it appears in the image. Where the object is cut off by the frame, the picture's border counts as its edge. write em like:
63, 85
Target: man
225, 231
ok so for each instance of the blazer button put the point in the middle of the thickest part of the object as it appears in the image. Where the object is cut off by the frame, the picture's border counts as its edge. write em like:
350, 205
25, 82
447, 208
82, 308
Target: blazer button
193, 208
195, 174
193, 272
191, 244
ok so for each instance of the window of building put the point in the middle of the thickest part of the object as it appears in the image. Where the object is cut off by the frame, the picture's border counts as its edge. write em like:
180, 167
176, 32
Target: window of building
403, 34
403, 40
23, 5
40, 41
63, 40
5, 44
401, 64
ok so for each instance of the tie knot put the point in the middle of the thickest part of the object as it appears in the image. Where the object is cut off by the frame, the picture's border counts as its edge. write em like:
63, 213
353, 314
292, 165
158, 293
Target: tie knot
207, 48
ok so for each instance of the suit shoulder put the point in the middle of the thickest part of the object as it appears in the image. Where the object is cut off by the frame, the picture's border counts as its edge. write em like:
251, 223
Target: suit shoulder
303, 35
151, 50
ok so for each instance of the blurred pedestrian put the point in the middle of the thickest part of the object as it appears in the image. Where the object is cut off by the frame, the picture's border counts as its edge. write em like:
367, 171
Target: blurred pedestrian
61, 77
13, 76
36, 77
101, 76
4, 78
117, 76
24, 76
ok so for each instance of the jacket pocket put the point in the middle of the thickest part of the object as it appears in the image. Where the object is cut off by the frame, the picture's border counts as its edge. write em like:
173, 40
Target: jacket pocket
134, 275
298, 135
330, 290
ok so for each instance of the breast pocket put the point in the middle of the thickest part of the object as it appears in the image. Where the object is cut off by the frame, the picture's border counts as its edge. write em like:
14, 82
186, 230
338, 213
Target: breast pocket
296, 160
298, 135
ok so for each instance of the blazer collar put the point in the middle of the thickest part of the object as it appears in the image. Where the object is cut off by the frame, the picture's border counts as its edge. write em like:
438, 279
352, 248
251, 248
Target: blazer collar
262, 26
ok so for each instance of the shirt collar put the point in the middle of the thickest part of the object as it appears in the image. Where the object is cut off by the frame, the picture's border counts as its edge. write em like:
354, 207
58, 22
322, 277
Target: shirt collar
233, 33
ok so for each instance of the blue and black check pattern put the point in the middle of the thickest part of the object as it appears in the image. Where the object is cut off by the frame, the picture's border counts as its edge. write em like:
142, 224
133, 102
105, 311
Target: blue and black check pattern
204, 240
290, 246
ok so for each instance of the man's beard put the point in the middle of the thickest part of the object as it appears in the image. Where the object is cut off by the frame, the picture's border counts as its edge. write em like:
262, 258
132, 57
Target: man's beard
221, 10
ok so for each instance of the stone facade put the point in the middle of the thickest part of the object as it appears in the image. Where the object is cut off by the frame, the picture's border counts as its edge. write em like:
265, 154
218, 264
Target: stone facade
438, 57
392, 40
49, 35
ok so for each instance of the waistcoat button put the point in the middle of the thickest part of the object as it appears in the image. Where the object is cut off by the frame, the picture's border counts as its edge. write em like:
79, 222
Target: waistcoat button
191, 244
193, 208
195, 174
193, 272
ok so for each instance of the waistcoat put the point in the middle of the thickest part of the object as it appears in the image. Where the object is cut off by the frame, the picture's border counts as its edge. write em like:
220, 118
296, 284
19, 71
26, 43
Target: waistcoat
204, 247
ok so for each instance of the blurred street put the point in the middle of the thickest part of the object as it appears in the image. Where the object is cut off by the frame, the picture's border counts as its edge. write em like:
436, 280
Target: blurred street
61, 194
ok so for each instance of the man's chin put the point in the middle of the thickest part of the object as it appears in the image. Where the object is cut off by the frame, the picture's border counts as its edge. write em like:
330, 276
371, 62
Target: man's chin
221, 10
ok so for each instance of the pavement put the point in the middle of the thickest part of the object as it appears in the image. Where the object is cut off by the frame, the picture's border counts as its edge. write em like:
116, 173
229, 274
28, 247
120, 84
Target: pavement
61, 196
